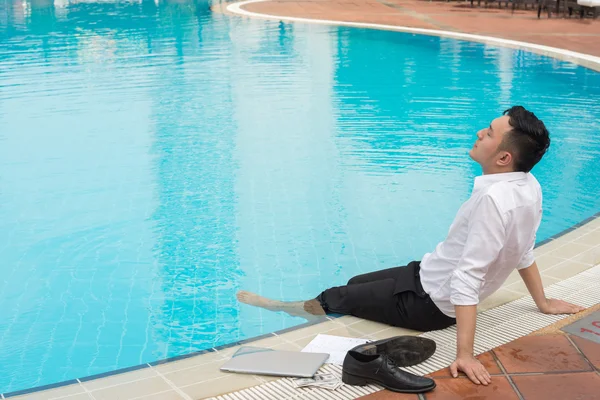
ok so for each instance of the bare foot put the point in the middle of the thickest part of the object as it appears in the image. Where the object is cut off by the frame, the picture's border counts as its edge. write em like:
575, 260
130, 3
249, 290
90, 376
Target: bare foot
305, 309
255, 300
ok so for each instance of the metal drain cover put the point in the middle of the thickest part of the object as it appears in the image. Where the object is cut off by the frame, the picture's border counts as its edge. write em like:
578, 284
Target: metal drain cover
587, 328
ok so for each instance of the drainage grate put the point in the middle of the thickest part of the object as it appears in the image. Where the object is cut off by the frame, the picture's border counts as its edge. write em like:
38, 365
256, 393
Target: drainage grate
495, 327
284, 389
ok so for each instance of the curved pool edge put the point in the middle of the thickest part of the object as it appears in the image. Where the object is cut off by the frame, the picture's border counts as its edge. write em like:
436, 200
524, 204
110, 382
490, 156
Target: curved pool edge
582, 59
327, 322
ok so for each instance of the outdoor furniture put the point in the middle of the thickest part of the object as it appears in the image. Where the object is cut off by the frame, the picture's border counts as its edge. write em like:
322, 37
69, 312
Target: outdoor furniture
485, 2
525, 3
592, 6
552, 6
549, 5
569, 6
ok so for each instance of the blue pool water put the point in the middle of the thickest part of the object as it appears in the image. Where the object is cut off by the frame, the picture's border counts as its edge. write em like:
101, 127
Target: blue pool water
155, 159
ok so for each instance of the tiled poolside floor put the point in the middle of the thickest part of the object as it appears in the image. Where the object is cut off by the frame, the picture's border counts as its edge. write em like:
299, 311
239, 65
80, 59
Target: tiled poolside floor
550, 365
199, 376
581, 35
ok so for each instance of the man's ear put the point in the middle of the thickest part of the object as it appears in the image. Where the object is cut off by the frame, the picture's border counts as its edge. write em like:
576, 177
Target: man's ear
505, 159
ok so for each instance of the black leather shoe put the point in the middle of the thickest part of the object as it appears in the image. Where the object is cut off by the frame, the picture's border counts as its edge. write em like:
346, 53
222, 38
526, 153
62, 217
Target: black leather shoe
403, 350
361, 369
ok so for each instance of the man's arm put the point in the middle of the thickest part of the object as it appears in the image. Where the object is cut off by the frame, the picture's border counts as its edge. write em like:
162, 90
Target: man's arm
486, 236
466, 317
533, 281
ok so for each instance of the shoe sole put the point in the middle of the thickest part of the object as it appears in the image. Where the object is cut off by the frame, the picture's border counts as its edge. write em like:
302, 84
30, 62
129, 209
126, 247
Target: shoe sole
414, 351
354, 380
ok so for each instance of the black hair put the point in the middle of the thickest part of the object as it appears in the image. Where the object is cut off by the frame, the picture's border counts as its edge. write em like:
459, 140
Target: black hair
527, 141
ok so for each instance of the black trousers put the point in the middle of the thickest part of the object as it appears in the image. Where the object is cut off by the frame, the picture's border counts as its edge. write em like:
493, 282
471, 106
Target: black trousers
392, 296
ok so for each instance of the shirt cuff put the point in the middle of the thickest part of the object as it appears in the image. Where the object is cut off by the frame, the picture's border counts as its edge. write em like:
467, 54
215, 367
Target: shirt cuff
463, 290
461, 299
527, 260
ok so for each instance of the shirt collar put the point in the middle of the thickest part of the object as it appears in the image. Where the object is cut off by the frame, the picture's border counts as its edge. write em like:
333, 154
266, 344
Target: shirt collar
486, 180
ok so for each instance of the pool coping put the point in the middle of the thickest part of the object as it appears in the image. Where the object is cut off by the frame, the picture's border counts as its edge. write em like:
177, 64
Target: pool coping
585, 60
217, 349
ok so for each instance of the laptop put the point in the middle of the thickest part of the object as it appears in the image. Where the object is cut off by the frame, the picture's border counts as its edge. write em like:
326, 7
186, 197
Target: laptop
260, 361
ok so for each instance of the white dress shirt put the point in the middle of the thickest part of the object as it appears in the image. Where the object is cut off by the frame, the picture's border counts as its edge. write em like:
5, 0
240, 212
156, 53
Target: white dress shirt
493, 233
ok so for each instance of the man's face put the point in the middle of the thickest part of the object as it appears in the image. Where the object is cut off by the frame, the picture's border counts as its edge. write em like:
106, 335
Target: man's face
485, 150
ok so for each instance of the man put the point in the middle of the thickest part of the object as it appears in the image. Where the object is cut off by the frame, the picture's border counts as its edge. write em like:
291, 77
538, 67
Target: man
493, 233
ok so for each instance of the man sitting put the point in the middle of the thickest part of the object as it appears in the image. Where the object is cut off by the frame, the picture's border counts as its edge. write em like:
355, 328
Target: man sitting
492, 234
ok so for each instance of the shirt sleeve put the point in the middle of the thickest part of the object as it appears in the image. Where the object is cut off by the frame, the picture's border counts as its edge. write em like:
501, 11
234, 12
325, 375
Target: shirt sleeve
528, 258
485, 238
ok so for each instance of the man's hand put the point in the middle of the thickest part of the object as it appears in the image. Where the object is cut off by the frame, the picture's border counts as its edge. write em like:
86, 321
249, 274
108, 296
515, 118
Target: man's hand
473, 368
466, 317
554, 306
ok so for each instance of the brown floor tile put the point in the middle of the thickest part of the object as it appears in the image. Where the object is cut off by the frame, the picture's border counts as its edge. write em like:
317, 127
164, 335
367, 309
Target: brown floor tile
487, 359
580, 386
463, 388
442, 373
541, 354
589, 348
387, 395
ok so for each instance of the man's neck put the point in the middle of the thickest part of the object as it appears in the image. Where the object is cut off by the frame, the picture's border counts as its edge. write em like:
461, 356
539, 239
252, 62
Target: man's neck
498, 171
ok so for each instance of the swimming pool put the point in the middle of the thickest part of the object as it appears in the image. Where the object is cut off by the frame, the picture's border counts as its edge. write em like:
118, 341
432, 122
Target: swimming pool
154, 159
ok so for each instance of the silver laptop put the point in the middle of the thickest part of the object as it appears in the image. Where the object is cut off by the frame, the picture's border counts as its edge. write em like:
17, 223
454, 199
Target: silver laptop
253, 360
